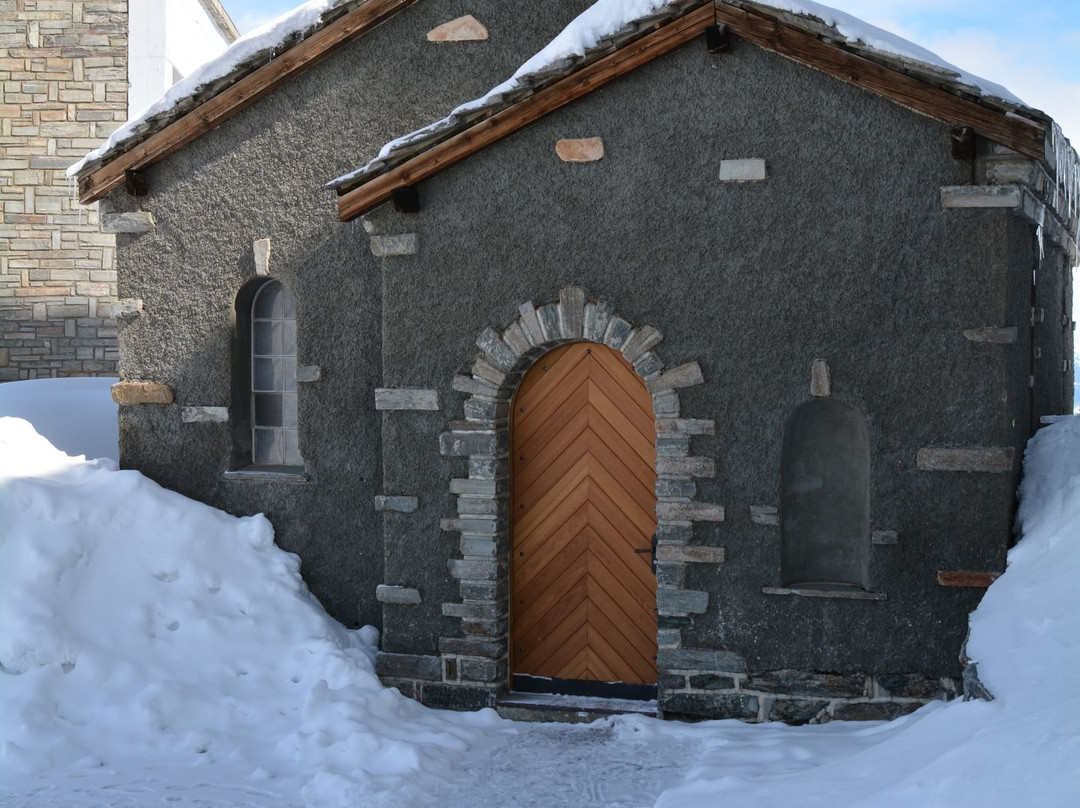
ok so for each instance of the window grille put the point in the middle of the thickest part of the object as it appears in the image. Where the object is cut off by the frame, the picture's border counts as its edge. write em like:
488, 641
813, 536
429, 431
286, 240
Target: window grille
273, 378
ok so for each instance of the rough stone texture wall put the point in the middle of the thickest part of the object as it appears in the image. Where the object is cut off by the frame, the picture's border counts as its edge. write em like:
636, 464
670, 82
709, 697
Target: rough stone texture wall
754, 281
63, 68
263, 173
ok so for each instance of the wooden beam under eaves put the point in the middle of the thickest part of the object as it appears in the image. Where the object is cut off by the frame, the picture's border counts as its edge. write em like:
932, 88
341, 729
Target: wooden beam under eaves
363, 198
1020, 134
232, 100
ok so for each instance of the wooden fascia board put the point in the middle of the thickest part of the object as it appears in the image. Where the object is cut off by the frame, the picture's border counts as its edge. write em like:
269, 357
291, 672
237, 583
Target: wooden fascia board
239, 96
1026, 137
363, 198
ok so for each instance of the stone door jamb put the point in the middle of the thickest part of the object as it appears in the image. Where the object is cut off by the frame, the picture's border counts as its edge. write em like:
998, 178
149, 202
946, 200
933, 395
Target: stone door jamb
478, 658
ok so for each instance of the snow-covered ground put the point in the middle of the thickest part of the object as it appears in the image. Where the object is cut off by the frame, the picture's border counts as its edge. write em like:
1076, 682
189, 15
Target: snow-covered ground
156, 651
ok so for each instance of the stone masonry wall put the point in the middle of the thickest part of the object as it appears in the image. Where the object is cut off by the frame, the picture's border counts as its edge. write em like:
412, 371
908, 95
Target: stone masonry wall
63, 68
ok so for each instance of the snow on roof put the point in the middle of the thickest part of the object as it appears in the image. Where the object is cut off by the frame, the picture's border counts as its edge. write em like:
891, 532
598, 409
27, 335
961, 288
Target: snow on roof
872, 38
617, 20
246, 54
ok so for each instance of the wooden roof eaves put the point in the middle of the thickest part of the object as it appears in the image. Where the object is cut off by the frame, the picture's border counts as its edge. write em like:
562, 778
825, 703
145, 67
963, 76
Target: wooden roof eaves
999, 122
364, 194
158, 144
917, 87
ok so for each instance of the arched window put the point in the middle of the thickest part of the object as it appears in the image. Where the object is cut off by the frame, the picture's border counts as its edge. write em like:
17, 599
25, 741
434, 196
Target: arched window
825, 497
273, 378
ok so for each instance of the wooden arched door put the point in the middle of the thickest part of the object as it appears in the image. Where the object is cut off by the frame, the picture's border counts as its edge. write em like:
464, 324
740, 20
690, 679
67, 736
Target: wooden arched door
583, 592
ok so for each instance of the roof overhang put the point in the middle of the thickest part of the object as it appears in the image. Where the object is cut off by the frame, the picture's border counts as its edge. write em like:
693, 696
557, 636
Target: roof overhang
164, 137
924, 88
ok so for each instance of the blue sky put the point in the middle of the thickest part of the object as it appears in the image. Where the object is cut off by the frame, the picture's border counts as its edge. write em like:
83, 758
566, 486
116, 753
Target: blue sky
1033, 48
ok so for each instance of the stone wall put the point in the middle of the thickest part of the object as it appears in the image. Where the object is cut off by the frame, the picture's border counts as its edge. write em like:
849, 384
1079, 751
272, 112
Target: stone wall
265, 173
918, 309
63, 64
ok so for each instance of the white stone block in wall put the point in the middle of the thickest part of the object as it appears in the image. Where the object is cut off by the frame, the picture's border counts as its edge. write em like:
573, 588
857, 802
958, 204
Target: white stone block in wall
123, 309
820, 383
884, 537
745, 170
204, 415
397, 504
982, 196
308, 373
261, 248
686, 375
406, 398
764, 515
1005, 335
397, 594
993, 459
399, 244
690, 555
131, 222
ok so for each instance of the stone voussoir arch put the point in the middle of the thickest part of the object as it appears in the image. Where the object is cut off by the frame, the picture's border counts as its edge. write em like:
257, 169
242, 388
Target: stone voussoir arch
479, 657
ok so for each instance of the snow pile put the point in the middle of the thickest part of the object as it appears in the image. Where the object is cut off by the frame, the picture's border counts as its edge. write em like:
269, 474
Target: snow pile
1019, 750
1026, 632
142, 628
148, 638
264, 39
76, 415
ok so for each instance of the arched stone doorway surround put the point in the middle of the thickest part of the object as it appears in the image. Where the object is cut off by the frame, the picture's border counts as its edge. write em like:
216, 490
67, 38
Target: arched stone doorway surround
477, 659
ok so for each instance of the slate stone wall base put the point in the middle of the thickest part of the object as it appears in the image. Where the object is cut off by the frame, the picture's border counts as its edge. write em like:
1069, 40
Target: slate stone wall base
798, 697
459, 682
456, 697
441, 694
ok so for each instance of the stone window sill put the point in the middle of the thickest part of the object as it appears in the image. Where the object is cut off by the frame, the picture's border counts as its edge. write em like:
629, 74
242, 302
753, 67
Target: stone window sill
813, 592
269, 474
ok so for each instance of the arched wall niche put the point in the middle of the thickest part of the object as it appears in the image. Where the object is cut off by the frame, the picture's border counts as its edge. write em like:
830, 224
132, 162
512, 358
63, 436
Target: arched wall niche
825, 497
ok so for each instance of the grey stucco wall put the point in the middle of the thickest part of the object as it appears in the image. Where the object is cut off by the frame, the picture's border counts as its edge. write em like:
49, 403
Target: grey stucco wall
262, 175
843, 253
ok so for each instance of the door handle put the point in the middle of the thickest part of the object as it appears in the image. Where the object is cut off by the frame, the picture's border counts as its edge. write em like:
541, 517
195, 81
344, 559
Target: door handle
651, 551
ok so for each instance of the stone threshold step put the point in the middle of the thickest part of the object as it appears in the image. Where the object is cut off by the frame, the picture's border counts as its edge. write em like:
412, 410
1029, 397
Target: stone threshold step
550, 707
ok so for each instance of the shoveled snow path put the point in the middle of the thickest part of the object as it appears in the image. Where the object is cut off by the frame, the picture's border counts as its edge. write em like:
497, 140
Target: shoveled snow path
620, 762
526, 766
547, 765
